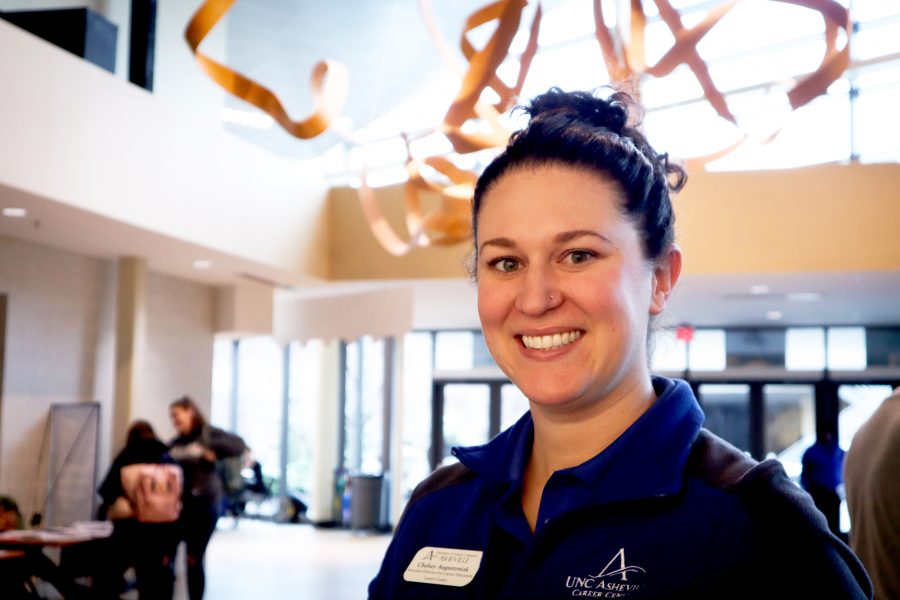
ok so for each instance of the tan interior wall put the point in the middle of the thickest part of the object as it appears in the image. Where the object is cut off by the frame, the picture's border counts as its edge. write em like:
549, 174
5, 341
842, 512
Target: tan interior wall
825, 218
355, 254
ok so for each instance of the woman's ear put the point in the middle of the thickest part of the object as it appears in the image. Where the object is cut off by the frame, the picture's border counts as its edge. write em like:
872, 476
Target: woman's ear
665, 276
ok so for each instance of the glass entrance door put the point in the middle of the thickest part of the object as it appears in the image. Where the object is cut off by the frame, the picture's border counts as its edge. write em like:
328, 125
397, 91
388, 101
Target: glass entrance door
466, 418
470, 413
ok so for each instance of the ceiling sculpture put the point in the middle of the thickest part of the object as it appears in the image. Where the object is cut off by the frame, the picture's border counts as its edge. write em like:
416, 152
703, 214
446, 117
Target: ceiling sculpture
472, 123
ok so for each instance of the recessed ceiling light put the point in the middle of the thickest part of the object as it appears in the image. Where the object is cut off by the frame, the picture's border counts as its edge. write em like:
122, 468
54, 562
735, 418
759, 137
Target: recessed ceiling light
202, 264
759, 289
15, 213
774, 315
804, 296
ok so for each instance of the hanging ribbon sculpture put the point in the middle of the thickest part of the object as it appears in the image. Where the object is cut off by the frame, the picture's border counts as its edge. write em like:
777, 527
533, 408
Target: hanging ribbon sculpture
623, 56
626, 62
329, 80
451, 222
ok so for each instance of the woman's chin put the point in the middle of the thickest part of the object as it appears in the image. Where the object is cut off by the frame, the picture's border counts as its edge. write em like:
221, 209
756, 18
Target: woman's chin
552, 397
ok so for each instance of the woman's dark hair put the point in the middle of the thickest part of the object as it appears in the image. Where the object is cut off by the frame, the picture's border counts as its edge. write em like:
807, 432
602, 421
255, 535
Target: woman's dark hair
186, 402
140, 430
582, 130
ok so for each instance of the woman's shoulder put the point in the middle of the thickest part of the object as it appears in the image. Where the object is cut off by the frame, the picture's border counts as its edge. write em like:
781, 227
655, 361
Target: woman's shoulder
782, 523
763, 489
442, 478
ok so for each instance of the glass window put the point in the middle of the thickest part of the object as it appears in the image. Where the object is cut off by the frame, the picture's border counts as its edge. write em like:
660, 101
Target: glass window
754, 347
466, 414
868, 10
847, 348
878, 138
417, 361
857, 403
221, 409
668, 352
513, 404
260, 401
364, 406
454, 351
805, 349
706, 352
876, 38
790, 424
727, 410
303, 414
883, 346
481, 356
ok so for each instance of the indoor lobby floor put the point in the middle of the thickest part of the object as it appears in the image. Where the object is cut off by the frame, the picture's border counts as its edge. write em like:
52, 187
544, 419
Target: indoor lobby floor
263, 560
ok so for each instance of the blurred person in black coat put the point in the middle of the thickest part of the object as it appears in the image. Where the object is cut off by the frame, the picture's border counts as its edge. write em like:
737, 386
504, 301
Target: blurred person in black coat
196, 448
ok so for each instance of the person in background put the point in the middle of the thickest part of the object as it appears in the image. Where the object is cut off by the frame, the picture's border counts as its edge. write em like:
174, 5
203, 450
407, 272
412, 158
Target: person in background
10, 517
823, 463
196, 447
15, 578
148, 547
609, 486
872, 483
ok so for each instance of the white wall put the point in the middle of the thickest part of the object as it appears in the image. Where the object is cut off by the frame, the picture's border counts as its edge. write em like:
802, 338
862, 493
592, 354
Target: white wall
117, 151
59, 348
178, 355
54, 316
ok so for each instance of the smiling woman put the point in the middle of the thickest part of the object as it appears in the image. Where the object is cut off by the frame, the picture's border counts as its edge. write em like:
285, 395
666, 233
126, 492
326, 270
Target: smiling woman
609, 486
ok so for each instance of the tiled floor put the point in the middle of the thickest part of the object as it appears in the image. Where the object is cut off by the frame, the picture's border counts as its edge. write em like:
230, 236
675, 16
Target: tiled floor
262, 560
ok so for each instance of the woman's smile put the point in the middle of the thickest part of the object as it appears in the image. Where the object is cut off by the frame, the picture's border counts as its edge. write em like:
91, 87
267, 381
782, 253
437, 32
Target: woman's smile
550, 341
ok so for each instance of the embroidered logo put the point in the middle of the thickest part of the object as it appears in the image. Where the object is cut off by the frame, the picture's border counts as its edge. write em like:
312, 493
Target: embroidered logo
611, 582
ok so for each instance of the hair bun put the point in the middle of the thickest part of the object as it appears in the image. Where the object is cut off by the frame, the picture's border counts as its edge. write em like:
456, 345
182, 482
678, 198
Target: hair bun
611, 114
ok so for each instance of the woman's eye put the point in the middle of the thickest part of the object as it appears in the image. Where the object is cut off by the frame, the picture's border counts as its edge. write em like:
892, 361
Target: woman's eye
577, 257
505, 265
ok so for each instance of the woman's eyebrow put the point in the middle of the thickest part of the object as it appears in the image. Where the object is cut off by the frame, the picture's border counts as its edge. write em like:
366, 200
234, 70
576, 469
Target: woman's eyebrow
559, 238
568, 236
501, 242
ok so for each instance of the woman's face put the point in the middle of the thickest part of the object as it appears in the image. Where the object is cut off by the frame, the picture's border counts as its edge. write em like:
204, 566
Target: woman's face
564, 291
182, 419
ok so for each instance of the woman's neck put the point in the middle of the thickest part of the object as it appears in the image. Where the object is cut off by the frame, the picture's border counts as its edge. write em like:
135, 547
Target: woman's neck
565, 439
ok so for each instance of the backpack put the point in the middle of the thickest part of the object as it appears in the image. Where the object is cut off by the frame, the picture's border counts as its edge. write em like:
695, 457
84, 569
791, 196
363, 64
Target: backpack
154, 491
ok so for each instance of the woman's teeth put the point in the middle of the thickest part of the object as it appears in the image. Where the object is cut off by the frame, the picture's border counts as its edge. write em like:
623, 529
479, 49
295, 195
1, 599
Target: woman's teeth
549, 342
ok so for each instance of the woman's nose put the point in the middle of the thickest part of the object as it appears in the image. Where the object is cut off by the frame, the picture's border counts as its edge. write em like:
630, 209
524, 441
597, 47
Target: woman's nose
538, 293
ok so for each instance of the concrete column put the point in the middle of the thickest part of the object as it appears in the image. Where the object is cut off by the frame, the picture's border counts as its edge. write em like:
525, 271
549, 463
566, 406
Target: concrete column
131, 326
396, 442
325, 454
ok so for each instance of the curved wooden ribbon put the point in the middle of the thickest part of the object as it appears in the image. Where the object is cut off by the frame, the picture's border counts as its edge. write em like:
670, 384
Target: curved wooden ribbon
834, 62
448, 225
482, 73
329, 81
625, 63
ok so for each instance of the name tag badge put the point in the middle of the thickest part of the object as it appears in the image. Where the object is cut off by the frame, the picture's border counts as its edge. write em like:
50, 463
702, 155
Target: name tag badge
443, 566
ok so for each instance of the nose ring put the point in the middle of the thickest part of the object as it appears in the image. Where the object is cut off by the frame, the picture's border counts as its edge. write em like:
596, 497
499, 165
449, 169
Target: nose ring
552, 297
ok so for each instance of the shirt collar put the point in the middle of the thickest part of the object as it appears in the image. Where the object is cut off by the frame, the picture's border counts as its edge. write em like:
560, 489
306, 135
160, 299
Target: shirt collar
646, 460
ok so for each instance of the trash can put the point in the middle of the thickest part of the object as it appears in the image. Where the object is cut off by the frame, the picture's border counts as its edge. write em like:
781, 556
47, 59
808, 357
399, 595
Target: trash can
365, 501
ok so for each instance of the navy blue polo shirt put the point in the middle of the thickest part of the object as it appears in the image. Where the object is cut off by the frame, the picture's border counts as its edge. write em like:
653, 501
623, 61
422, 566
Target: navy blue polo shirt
667, 510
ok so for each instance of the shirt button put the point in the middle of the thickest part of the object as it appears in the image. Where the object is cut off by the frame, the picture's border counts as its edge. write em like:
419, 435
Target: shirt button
547, 520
